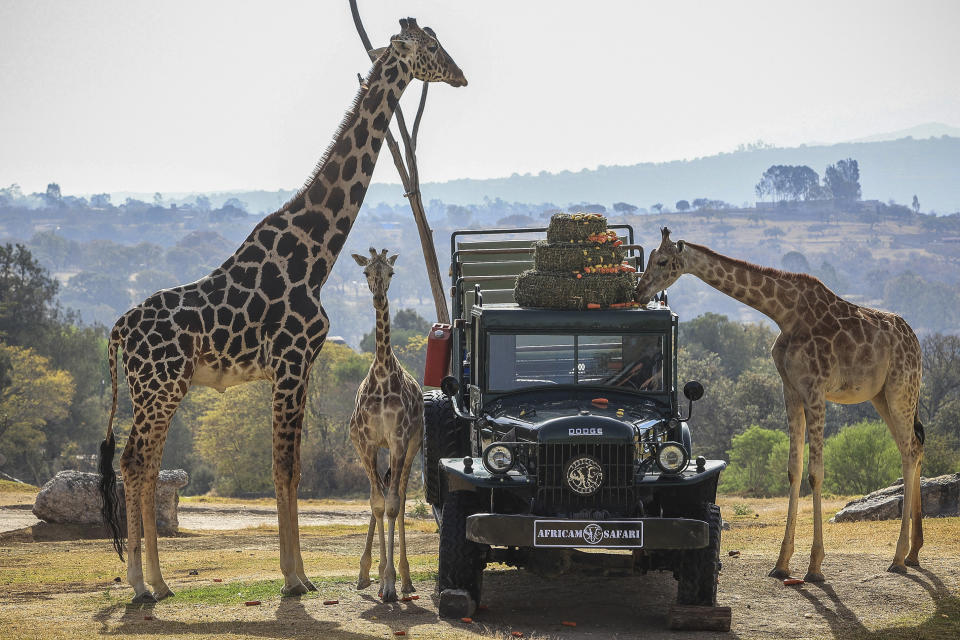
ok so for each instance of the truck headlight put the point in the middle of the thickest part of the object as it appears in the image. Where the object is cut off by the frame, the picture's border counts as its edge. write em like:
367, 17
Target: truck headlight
498, 458
672, 457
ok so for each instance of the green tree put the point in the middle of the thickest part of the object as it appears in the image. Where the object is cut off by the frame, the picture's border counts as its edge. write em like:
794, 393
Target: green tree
737, 344
233, 438
406, 324
682, 205
34, 393
842, 180
27, 296
751, 461
861, 458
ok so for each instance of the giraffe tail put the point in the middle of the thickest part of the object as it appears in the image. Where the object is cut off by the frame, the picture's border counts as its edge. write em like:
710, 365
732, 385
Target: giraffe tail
918, 426
108, 477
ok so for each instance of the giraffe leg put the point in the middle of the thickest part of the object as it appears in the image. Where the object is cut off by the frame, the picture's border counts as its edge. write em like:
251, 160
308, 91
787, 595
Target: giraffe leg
899, 419
797, 425
916, 534
131, 465
288, 405
369, 459
815, 412
403, 566
392, 508
148, 496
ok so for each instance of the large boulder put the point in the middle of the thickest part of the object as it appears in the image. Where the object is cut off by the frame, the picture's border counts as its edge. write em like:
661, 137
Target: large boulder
940, 497
73, 497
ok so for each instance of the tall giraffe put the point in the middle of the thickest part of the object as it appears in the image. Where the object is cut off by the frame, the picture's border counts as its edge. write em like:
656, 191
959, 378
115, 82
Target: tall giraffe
388, 413
828, 349
257, 316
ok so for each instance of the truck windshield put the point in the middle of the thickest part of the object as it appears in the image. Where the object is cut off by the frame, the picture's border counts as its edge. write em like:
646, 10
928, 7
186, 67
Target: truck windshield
631, 362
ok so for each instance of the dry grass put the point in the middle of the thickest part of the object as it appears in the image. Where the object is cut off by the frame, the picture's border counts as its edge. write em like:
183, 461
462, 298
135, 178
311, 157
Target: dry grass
54, 590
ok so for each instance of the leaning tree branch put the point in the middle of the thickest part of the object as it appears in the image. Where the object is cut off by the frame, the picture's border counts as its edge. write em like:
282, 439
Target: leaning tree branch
410, 179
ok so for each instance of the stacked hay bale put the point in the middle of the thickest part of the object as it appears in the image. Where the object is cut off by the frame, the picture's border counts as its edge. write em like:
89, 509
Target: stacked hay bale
579, 266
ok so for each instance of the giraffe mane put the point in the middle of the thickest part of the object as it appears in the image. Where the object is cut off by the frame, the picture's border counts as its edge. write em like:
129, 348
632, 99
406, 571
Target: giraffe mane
349, 118
773, 272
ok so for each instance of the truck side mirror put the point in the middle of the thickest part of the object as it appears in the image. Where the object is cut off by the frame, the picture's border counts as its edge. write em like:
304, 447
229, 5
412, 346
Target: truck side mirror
693, 391
450, 386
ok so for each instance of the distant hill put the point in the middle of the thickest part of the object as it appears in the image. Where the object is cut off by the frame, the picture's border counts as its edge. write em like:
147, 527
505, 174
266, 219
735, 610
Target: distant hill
920, 132
889, 169
893, 169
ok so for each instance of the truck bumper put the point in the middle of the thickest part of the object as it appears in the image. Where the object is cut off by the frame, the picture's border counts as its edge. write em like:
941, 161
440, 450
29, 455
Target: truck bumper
508, 530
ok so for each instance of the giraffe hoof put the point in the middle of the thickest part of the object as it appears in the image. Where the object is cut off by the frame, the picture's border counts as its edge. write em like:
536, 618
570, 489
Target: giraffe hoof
779, 573
309, 585
363, 583
407, 588
912, 562
389, 595
814, 577
144, 598
296, 589
897, 568
160, 594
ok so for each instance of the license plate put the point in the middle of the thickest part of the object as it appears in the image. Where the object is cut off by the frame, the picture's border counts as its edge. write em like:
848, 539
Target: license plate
600, 534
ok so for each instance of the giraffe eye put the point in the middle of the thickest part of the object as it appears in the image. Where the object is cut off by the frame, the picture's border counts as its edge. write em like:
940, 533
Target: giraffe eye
662, 263
432, 48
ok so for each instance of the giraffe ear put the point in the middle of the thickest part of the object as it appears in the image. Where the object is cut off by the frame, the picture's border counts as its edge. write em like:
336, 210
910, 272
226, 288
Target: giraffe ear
376, 53
360, 259
393, 259
402, 46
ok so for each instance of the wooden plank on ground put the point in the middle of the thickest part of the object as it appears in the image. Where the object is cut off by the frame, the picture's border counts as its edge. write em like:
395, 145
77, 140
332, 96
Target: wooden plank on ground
683, 617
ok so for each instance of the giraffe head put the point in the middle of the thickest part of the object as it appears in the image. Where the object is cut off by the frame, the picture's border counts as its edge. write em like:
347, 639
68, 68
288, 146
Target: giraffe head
379, 270
420, 49
665, 265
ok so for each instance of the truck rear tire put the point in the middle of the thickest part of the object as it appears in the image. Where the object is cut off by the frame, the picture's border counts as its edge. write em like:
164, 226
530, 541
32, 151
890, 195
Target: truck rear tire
461, 563
444, 436
700, 568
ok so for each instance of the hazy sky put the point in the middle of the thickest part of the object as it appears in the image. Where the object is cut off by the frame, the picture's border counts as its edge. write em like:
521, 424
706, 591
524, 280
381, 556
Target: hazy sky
136, 95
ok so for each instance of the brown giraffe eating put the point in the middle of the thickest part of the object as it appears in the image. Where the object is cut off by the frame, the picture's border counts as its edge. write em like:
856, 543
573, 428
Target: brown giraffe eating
258, 316
388, 413
828, 349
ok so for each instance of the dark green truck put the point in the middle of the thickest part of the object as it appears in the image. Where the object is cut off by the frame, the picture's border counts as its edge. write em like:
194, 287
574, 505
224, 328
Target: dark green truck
560, 433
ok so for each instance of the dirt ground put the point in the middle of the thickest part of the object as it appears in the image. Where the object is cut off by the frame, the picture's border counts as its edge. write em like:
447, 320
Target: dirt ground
66, 589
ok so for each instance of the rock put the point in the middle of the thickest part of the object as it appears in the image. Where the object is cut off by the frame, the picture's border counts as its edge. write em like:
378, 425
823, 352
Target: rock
456, 603
73, 497
725, 525
940, 497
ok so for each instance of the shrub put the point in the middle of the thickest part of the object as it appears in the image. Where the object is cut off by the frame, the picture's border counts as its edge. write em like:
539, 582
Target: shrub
861, 458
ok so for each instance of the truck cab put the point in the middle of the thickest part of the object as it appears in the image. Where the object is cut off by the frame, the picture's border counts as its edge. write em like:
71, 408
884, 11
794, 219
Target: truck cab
559, 432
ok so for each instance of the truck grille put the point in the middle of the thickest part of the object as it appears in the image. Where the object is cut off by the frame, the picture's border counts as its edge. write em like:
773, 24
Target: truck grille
616, 494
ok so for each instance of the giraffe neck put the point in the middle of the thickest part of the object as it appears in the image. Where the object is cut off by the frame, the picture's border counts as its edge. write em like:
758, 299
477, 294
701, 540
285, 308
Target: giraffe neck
322, 213
775, 294
384, 354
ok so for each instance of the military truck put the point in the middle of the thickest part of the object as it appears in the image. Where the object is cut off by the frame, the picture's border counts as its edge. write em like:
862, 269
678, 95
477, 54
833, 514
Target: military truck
559, 442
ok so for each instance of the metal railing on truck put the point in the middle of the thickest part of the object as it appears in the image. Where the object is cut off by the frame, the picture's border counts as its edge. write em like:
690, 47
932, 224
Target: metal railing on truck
495, 264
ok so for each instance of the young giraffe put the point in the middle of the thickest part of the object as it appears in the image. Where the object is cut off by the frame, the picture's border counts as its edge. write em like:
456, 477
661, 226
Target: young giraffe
828, 349
258, 316
388, 413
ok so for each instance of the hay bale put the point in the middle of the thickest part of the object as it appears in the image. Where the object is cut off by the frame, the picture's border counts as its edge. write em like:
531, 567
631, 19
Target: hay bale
550, 290
565, 227
573, 257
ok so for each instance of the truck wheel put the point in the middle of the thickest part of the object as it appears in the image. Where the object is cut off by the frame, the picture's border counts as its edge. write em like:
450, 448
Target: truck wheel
699, 568
461, 561
444, 436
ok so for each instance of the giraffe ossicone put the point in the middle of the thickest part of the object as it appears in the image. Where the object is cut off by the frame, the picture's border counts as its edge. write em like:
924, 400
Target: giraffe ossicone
828, 349
257, 316
388, 414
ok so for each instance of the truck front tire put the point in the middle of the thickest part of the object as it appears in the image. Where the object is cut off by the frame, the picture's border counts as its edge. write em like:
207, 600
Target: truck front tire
444, 436
700, 568
461, 561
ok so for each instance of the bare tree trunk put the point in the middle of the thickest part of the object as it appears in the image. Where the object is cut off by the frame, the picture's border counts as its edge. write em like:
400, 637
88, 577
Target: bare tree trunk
410, 178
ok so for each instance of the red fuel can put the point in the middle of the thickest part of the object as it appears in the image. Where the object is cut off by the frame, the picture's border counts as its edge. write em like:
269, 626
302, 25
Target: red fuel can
438, 354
